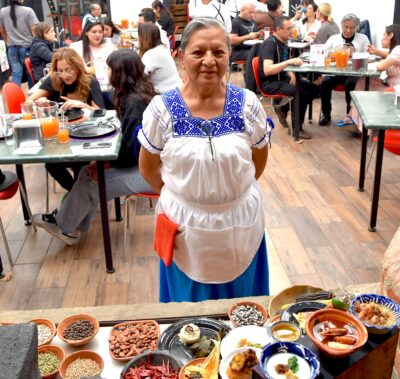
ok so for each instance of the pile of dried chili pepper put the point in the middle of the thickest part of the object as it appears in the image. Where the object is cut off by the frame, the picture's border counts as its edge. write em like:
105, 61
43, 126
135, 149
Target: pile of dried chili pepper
148, 371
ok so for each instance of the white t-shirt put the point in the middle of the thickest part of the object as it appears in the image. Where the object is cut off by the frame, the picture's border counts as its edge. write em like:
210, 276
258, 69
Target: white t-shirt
161, 68
214, 9
360, 42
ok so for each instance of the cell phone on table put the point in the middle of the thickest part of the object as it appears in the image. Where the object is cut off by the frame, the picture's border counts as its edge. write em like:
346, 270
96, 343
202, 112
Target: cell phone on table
96, 145
98, 113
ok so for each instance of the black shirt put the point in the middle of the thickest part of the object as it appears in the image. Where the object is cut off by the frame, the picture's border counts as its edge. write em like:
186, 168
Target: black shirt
95, 93
167, 23
278, 52
242, 27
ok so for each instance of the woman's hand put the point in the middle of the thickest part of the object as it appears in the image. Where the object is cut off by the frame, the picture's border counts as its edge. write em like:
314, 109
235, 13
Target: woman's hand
371, 49
72, 104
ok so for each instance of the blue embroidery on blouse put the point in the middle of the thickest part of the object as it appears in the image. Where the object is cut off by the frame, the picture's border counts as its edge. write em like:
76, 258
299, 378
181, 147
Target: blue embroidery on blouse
186, 125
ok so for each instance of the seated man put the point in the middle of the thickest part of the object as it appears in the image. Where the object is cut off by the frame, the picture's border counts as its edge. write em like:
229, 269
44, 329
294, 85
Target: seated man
358, 42
93, 16
266, 20
274, 56
243, 29
210, 8
234, 6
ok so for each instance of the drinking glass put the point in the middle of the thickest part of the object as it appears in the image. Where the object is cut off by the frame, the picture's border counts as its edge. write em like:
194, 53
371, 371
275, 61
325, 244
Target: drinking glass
63, 129
7, 128
47, 113
294, 33
27, 110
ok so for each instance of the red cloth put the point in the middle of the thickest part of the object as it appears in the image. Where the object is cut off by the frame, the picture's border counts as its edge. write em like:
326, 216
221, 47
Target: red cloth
164, 238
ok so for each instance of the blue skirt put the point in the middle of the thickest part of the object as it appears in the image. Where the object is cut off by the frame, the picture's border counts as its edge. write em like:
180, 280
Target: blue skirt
176, 286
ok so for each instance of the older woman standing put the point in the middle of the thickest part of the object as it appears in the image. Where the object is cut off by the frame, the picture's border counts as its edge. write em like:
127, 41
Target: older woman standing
204, 145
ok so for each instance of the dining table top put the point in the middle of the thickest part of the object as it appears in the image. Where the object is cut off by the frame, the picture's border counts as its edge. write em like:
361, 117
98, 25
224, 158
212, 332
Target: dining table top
54, 151
377, 109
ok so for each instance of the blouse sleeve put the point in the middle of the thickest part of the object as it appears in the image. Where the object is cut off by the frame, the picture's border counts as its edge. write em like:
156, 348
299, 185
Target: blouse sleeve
156, 120
258, 125
395, 54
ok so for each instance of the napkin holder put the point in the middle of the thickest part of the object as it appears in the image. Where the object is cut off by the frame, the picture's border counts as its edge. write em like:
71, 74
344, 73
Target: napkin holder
360, 61
317, 55
28, 133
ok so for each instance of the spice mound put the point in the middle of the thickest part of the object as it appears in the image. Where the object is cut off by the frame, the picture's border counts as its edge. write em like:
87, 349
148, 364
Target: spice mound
44, 333
147, 370
130, 339
48, 362
79, 330
82, 367
247, 315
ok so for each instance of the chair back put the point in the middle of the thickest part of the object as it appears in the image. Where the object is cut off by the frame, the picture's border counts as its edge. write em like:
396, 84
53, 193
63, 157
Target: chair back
14, 96
29, 68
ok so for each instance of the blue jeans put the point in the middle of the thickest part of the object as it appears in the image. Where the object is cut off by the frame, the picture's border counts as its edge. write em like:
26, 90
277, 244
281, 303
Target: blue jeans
16, 59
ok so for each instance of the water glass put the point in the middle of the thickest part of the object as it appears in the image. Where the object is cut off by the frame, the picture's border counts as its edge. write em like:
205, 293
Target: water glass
7, 128
63, 128
27, 110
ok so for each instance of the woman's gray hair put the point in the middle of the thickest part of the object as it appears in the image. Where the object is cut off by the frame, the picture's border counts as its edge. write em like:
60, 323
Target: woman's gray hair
351, 17
199, 23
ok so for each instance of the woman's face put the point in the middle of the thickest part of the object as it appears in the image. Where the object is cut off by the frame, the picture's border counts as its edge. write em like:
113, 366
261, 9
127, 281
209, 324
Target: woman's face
206, 56
107, 31
95, 35
387, 37
310, 11
66, 72
50, 35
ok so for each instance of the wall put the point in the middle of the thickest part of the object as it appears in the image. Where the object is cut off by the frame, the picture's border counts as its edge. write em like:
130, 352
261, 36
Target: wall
121, 9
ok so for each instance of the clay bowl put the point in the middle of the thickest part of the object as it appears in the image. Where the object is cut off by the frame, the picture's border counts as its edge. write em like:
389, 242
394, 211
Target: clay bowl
71, 319
50, 324
136, 325
337, 317
58, 351
257, 306
82, 354
193, 362
156, 357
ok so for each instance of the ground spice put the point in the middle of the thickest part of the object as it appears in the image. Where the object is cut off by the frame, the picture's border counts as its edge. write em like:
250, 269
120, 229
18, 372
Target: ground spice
246, 315
79, 330
48, 362
82, 367
44, 333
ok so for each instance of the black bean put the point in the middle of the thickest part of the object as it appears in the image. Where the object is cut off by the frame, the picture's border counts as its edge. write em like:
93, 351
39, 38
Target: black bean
78, 330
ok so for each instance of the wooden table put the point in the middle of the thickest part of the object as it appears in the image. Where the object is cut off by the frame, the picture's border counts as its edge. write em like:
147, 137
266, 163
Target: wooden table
331, 70
55, 152
378, 112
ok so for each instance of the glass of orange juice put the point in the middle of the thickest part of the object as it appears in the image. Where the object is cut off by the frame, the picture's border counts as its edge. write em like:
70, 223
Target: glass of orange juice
295, 33
47, 112
124, 24
27, 110
63, 129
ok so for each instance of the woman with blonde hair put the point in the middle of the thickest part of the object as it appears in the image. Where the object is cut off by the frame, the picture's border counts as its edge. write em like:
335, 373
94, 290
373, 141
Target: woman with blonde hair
71, 83
328, 26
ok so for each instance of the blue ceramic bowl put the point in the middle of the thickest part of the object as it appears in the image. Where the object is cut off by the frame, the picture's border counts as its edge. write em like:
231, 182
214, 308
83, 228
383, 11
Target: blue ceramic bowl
378, 299
279, 348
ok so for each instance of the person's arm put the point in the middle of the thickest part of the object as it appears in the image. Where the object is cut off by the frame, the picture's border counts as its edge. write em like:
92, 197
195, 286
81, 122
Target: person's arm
40, 93
3, 34
380, 53
385, 63
150, 169
259, 157
271, 68
238, 40
44, 52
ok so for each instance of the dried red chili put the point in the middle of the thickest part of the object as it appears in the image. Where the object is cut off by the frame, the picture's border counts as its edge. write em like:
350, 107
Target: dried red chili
148, 371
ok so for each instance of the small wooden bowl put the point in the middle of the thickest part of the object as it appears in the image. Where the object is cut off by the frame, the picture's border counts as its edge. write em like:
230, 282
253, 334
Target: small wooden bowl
50, 324
58, 351
330, 314
259, 307
71, 319
134, 323
82, 354
194, 362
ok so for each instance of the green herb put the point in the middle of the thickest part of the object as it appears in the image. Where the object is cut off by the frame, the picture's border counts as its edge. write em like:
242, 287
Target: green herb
293, 364
48, 362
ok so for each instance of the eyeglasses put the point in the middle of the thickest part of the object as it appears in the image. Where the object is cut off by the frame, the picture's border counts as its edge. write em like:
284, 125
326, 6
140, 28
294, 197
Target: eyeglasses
67, 71
347, 27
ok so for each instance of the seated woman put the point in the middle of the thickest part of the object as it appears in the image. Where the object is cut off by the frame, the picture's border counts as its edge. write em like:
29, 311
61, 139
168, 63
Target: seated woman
328, 26
69, 82
94, 51
157, 59
133, 92
309, 26
42, 48
112, 32
390, 63
164, 17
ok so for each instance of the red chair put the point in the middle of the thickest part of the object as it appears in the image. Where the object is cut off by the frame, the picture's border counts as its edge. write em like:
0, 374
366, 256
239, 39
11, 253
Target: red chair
172, 39
76, 26
5, 194
149, 195
14, 96
29, 69
255, 62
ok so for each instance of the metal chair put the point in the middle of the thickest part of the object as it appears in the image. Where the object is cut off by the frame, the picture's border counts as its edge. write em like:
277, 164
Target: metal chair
255, 62
7, 191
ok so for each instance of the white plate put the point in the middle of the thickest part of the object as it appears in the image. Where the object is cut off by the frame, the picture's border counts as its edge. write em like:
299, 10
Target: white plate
252, 42
223, 366
254, 334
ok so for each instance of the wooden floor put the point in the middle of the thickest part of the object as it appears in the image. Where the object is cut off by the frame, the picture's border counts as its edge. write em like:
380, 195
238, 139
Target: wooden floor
316, 223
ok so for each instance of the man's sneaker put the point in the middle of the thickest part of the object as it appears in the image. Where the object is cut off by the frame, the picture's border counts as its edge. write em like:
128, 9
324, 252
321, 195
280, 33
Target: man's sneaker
47, 221
304, 135
281, 116
324, 120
